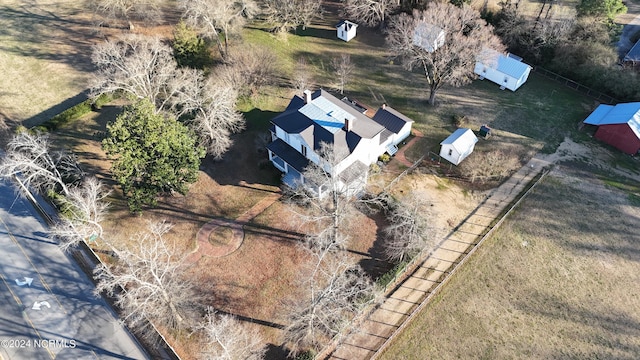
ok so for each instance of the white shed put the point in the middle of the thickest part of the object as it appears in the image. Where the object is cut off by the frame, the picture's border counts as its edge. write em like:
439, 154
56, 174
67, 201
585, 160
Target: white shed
346, 30
505, 70
458, 145
428, 37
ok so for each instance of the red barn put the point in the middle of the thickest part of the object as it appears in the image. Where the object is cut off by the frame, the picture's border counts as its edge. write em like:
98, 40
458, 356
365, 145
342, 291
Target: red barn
618, 126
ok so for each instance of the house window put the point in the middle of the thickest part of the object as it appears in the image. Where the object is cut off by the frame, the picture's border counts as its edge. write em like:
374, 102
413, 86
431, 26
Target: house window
450, 152
304, 150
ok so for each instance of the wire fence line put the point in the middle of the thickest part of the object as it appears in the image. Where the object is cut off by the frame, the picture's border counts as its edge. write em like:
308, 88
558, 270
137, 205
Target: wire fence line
595, 94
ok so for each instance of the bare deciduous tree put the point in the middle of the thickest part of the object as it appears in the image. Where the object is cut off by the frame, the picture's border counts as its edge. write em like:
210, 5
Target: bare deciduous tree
41, 168
127, 10
409, 231
83, 211
333, 297
144, 68
219, 18
287, 15
215, 118
151, 276
328, 193
452, 63
493, 165
250, 69
343, 68
370, 12
302, 77
227, 339
140, 66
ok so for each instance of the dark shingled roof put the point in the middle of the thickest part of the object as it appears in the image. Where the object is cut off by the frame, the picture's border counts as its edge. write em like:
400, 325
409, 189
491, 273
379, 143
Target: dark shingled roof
391, 119
290, 155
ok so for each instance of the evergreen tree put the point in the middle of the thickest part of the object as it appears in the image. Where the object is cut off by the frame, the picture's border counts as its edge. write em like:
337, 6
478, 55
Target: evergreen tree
154, 154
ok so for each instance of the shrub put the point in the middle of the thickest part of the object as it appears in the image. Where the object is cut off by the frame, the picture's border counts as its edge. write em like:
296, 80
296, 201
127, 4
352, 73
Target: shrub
307, 355
74, 112
390, 275
385, 158
458, 120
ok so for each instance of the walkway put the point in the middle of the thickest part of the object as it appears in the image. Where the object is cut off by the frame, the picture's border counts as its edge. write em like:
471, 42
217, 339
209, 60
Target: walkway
205, 248
386, 319
400, 154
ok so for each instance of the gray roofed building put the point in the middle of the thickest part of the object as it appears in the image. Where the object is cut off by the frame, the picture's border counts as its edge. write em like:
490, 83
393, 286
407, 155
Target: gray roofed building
319, 117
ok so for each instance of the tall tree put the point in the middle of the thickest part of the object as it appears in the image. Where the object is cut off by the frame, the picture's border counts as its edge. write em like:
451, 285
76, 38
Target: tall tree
227, 339
40, 167
325, 195
140, 66
189, 49
83, 210
370, 12
409, 230
147, 282
343, 68
606, 9
144, 68
287, 15
219, 19
332, 298
466, 36
153, 154
127, 10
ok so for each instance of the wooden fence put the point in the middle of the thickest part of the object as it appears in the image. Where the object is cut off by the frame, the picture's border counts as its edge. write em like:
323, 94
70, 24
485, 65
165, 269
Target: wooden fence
456, 266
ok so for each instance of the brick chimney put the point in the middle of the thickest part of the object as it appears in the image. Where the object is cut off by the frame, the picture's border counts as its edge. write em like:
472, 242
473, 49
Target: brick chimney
307, 96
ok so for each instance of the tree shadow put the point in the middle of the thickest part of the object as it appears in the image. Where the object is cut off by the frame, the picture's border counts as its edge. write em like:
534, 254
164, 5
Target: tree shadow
376, 264
276, 352
247, 163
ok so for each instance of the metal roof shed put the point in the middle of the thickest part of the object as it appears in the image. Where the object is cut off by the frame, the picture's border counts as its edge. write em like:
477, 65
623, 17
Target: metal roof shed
506, 71
458, 145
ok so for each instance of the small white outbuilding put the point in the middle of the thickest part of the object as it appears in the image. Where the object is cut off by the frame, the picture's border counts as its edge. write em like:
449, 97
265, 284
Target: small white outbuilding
508, 71
458, 145
346, 30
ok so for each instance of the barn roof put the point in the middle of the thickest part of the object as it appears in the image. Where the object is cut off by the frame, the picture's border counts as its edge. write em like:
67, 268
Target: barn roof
627, 113
461, 140
505, 64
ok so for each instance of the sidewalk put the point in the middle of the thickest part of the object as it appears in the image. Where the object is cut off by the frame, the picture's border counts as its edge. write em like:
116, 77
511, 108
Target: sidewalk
387, 318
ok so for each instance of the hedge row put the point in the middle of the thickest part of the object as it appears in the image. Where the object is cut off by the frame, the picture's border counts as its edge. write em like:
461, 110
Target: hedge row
75, 112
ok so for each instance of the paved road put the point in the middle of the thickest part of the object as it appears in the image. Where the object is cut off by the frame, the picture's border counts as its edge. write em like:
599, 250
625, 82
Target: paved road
47, 307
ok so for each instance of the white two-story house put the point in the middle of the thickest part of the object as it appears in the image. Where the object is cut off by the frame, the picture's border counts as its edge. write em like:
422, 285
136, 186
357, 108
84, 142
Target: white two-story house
319, 117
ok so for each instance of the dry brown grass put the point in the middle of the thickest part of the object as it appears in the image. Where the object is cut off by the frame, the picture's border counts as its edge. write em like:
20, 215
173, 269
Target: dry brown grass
558, 280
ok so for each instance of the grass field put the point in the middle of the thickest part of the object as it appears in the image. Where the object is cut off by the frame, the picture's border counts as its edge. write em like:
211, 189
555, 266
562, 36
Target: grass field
44, 58
545, 286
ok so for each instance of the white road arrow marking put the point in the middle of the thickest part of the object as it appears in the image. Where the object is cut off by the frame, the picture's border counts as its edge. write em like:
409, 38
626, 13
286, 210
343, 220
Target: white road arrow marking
37, 305
27, 281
